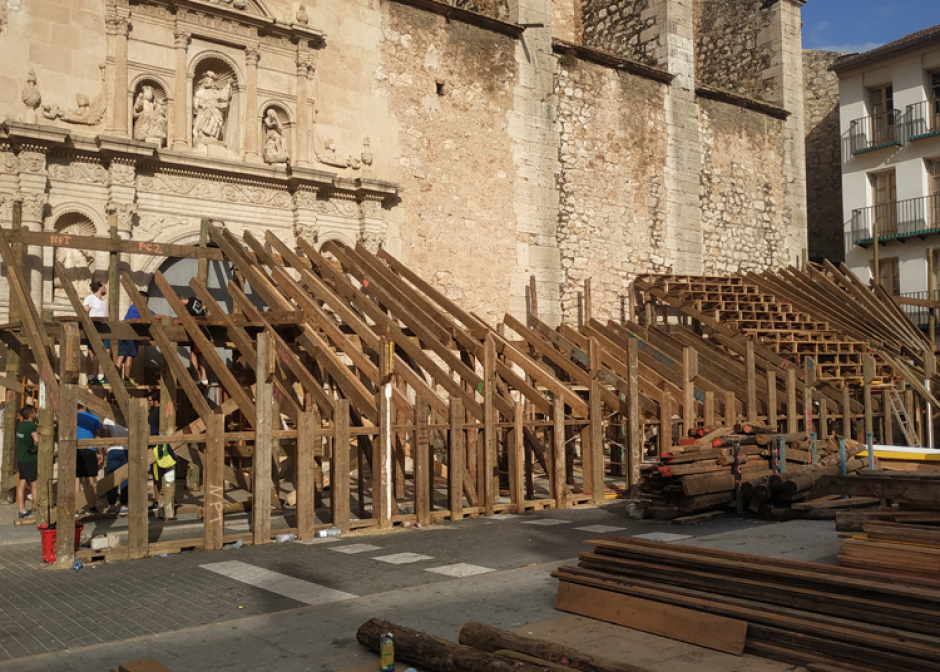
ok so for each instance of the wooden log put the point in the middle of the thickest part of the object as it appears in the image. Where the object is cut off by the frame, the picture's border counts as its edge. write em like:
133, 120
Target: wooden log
492, 639
703, 484
433, 653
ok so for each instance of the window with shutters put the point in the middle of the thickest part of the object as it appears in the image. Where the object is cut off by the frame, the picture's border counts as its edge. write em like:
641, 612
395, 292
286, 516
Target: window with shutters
881, 101
890, 275
885, 196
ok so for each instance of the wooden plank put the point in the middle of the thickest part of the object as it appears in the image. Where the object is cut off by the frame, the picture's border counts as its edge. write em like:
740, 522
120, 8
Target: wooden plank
750, 365
382, 449
685, 625
793, 416
491, 417
592, 450
213, 498
731, 413
772, 419
97, 244
308, 445
138, 539
634, 439
65, 485
455, 460
689, 403
559, 461
264, 442
423, 472
516, 458
339, 463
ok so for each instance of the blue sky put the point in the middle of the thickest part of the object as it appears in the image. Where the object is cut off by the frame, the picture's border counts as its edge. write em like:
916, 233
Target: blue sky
860, 25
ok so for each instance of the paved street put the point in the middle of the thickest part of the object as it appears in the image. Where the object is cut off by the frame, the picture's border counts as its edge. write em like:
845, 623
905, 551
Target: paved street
53, 618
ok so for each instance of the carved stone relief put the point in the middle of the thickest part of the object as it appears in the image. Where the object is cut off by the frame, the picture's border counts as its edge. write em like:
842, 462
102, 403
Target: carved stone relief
371, 241
275, 146
32, 98
31, 160
152, 226
79, 264
217, 191
211, 100
121, 173
34, 207
88, 113
306, 199
125, 214
79, 171
327, 154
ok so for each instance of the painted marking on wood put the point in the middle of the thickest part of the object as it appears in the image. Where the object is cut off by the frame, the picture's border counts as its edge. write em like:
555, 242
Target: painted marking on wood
280, 584
403, 558
460, 570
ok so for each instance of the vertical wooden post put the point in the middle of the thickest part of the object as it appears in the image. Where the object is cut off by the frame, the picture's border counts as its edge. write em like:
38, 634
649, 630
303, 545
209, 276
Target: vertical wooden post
168, 390
203, 267
138, 542
455, 463
13, 397
930, 369
793, 416
382, 447
213, 499
533, 301
738, 478
932, 294
731, 411
823, 419
751, 367
874, 236
114, 283
65, 490
516, 459
689, 374
709, 410
634, 439
339, 464
422, 461
264, 443
45, 459
490, 420
665, 423
560, 486
846, 410
309, 447
888, 438
868, 375
808, 396
587, 301
772, 419
592, 458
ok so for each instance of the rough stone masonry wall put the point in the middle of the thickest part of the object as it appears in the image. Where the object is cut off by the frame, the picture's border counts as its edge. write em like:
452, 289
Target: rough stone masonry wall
730, 53
742, 193
612, 212
617, 27
498, 9
823, 169
449, 90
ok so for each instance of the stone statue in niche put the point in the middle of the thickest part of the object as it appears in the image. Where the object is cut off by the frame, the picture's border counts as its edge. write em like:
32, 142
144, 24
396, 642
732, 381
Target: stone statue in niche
32, 98
275, 147
88, 112
149, 117
79, 269
301, 17
367, 156
210, 109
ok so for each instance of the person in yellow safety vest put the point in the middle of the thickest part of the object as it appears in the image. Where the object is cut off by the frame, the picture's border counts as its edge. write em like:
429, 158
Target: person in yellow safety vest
164, 466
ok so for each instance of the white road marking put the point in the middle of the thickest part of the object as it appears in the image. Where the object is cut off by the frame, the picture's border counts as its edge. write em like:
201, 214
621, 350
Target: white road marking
507, 516
460, 570
662, 536
403, 558
600, 529
281, 584
356, 548
318, 540
545, 521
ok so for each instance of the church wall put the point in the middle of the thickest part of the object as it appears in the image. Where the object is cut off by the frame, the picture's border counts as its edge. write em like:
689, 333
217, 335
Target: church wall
733, 51
621, 28
742, 193
613, 156
449, 90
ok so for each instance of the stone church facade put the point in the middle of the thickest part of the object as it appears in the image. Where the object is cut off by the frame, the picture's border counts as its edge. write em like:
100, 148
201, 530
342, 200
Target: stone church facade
480, 141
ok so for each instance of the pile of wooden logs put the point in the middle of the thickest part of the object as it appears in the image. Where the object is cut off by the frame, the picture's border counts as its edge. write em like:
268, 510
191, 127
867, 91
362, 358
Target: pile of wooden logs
796, 612
700, 476
483, 648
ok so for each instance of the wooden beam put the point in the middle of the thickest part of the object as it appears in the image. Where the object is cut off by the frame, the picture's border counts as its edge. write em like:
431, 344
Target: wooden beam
491, 417
138, 538
634, 440
214, 488
592, 452
455, 461
339, 462
264, 442
559, 461
97, 244
65, 485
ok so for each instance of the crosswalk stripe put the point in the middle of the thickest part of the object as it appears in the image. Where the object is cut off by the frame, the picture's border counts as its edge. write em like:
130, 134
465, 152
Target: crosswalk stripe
545, 522
356, 548
280, 584
662, 536
403, 558
600, 529
460, 570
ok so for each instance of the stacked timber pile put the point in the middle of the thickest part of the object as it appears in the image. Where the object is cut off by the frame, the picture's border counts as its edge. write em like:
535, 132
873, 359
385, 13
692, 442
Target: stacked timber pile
698, 477
903, 548
796, 612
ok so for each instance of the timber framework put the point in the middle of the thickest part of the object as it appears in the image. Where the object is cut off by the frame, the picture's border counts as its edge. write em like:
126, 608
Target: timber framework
360, 396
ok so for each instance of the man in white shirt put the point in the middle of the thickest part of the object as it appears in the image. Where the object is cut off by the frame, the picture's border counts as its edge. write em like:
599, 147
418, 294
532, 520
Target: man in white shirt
96, 306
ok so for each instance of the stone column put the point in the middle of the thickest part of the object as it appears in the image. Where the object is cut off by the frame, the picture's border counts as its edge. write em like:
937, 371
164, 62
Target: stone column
125, 217
305, 215
674, 26
372, 229
252, 120
117, 22
305, 71
181, 117
31, 164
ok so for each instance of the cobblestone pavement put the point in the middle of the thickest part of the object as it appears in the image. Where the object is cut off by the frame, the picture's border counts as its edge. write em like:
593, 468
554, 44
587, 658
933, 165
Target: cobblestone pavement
44, 610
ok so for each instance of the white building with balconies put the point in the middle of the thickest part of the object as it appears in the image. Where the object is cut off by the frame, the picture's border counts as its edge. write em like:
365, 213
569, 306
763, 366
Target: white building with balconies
889, 108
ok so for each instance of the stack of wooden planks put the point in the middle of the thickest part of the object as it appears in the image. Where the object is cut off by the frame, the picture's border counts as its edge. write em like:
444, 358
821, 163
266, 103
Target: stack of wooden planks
796, 612
699, 477
903, 548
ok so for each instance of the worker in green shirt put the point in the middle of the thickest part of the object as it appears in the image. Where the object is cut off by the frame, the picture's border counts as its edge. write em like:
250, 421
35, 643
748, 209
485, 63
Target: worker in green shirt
27, 446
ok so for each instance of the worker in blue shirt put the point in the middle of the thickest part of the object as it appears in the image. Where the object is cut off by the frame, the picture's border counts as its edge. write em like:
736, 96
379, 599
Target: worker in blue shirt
127, 350
88, 460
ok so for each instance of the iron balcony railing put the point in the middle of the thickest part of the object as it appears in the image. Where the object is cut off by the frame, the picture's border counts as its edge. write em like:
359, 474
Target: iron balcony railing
876, 131
920, 315
923, 119
901, 219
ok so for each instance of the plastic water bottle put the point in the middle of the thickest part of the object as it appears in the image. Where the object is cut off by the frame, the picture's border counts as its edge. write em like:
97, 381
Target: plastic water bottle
233, 547
329, 532
283, 538
387, 652
77, 564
